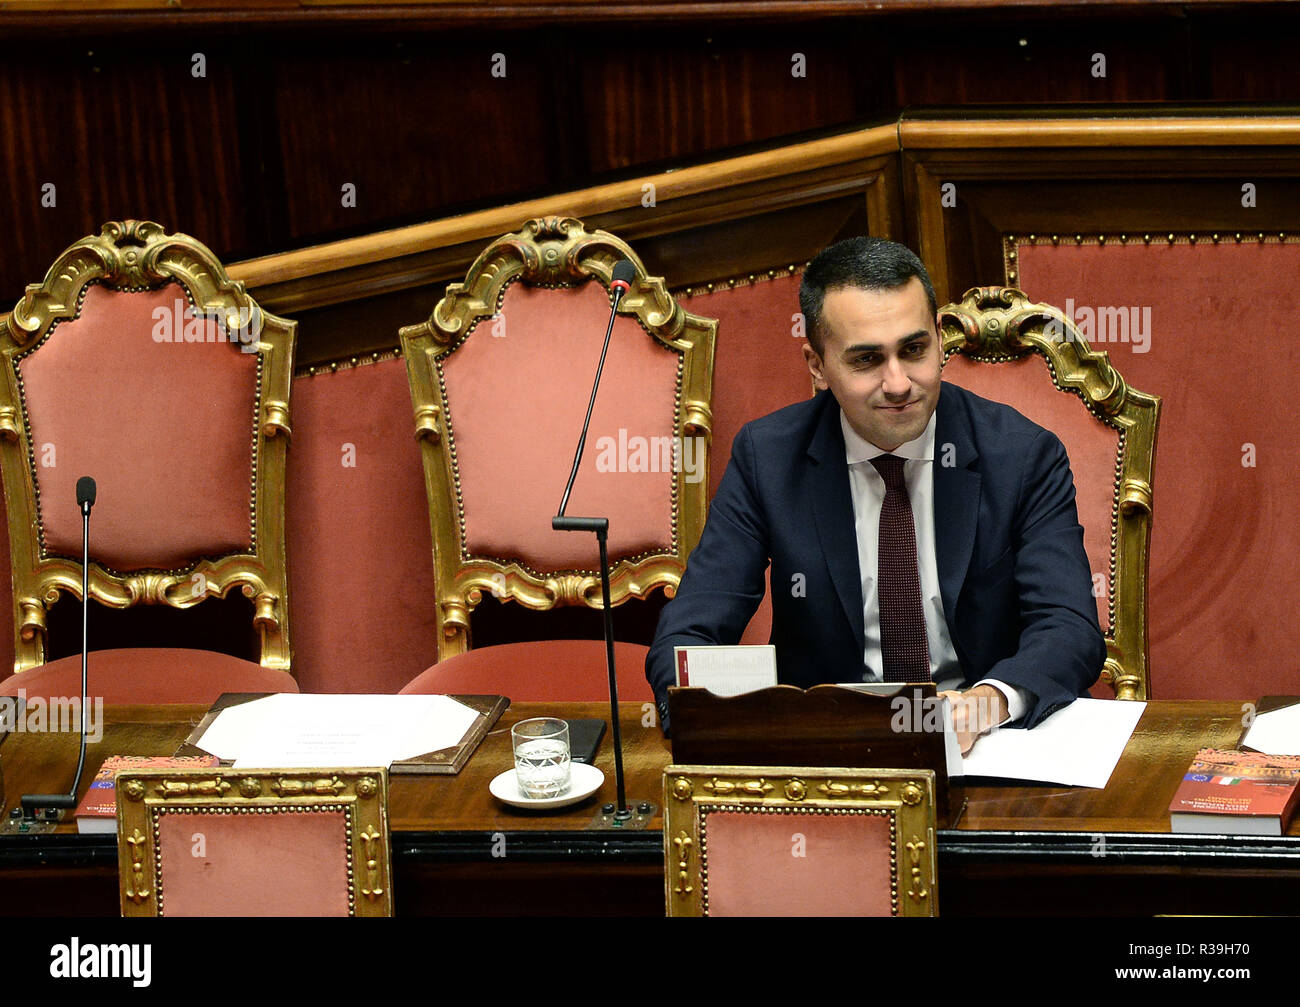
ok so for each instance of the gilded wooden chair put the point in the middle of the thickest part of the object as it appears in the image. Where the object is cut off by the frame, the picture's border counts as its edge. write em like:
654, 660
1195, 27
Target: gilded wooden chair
777, 841
139, 362
254, 842
500, 378
1042, 365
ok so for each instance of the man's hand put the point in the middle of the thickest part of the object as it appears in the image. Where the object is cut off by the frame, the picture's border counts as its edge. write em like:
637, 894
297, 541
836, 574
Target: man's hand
976, 711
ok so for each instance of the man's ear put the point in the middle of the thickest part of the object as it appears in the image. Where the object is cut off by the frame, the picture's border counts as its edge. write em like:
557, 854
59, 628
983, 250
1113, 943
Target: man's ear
814, 363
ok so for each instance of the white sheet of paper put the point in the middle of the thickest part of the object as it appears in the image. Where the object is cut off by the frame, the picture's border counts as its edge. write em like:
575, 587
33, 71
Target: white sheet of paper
1276, 732
227, 733
728, 671
1078, 746
298, 731
956, 765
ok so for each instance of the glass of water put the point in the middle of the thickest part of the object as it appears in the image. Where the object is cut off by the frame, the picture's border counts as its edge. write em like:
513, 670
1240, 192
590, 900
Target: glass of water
541, 756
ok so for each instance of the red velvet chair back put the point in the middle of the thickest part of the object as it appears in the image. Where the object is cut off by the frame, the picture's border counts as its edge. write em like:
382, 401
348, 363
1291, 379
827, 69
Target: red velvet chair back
500, 379
254, 842
1206, 321
759, 841
138, 362
759, 369
999, 345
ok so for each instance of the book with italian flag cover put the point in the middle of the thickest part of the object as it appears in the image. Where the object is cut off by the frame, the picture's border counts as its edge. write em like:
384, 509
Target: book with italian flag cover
1236, 793
97, 812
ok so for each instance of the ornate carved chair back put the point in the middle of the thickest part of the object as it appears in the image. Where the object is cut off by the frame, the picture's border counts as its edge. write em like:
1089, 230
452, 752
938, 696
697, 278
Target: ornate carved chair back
139, 362
500, 379
1045, 368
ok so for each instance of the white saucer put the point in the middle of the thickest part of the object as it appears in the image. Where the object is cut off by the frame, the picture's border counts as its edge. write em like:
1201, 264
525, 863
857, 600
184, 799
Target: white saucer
584, 781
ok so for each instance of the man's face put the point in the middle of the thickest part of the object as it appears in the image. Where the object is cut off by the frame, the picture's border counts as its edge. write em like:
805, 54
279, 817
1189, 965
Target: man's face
880, 358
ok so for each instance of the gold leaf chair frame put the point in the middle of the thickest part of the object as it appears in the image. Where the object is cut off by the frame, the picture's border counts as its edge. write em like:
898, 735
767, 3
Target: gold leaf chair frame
549, 252
904, 796
135, 256
999, 324
145, 795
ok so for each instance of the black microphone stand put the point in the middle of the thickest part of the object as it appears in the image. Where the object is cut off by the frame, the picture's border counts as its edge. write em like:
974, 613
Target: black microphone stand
31, 802
623, 274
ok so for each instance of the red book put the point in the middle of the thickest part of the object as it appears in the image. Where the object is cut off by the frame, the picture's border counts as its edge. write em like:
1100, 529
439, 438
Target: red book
97, 811
1236, 793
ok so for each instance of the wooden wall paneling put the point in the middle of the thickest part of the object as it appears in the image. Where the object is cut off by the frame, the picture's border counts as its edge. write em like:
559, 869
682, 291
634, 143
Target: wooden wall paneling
965, 242
118, 138
651, 96
1245, 58
716, 236
125, 15
730, 189
415, 126
927, 228
1037, 56
352, 330
398, 98
1071, 175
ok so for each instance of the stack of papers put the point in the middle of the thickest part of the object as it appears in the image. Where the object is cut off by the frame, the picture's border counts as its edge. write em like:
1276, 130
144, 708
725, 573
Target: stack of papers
288, 731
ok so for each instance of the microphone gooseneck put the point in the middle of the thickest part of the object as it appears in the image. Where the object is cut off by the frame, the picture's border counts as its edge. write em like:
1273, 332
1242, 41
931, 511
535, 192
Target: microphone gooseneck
624, 273
86, 492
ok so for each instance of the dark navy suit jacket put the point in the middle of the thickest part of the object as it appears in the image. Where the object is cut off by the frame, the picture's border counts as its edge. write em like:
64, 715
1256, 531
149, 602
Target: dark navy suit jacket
1015, 581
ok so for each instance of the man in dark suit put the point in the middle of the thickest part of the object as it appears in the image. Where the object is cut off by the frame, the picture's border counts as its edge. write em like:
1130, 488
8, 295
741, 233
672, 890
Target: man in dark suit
915, 530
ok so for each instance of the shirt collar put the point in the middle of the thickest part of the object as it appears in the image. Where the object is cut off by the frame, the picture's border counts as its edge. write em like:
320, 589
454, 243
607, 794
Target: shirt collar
856, 449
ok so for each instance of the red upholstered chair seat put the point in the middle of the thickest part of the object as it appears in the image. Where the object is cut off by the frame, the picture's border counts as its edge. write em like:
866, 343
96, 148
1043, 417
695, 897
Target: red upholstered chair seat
546, 671
145, 675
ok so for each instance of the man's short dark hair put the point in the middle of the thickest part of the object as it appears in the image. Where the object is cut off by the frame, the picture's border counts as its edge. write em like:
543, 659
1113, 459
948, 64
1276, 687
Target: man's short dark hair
865, 263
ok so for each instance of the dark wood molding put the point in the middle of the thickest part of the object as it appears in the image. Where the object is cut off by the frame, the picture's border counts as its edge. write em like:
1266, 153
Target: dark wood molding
108, 15
1180, 176
860, 165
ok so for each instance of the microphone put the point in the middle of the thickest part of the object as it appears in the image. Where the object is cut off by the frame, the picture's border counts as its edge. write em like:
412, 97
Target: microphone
31, 802
623, 276
621, 279
85, 494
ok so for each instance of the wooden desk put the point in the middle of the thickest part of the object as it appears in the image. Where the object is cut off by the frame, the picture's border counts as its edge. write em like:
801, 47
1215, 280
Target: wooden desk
1017, 850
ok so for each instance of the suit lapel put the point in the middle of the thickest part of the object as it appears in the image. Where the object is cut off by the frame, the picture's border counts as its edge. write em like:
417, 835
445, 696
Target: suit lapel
956, 498
832, 509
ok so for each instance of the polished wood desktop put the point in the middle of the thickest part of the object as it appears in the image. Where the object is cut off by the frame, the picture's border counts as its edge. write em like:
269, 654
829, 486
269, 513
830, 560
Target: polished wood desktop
1015, 850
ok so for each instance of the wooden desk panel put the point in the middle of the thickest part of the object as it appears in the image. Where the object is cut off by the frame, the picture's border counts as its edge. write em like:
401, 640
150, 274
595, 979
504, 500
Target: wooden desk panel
1137, 798
462, 802
1017, 850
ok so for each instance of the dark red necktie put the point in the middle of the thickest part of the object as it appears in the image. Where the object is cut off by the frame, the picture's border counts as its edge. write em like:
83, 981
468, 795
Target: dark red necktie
904, 650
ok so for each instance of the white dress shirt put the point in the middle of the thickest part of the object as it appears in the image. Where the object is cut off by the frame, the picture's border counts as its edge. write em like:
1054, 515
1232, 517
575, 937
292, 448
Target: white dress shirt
867, 487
